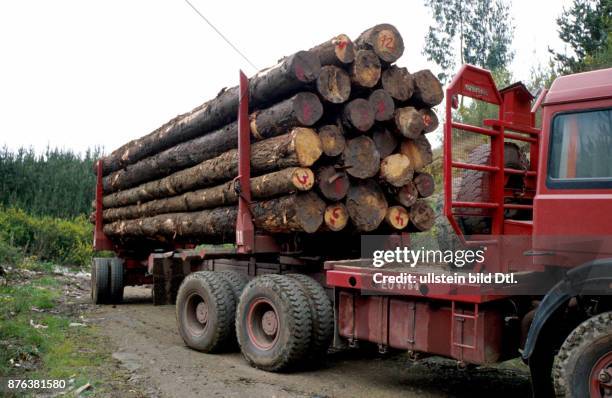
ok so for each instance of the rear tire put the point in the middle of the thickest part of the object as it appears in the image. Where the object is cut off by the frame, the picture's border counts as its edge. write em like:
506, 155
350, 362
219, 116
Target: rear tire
236, 280
205, 309
586, 352
116, 280
273, 323
100, 281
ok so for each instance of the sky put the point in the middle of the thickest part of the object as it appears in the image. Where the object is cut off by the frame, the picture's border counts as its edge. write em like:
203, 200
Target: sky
85, 73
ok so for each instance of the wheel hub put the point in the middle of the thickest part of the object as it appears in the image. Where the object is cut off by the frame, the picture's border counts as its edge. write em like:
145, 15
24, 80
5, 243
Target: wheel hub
269, 323
202, 313
601, 377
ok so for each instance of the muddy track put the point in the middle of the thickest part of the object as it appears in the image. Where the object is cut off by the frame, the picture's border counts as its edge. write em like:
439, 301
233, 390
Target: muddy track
148, 344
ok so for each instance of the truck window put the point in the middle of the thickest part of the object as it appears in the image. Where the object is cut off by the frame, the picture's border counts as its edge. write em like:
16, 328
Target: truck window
581, 150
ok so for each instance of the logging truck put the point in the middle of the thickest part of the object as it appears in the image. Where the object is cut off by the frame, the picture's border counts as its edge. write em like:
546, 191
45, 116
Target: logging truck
537, 201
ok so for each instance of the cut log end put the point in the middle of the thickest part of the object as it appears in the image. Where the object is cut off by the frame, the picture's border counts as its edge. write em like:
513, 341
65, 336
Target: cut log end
309, 209
407, 195
366, 70
396, 170
425, 184
409, 122
427, 88
361, 158
307, 145
397, 217
305, 66
422, 216
358, 114
344, 48
383, 105
303, 179
385, 142
333, 184
430, 120
308, 109
332, 140
419, 151
334, 84
385, 40
336, 217
366, 205
398, 83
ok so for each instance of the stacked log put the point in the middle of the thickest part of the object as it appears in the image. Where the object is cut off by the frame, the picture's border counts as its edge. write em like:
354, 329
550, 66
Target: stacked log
338, 144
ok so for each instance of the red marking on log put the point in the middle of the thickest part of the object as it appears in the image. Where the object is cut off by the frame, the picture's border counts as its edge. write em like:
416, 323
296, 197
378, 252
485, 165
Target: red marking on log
399, 219
342, 44
303, 179
307, 111
299, 72
387, 42
338, 186
426, 120
381, 106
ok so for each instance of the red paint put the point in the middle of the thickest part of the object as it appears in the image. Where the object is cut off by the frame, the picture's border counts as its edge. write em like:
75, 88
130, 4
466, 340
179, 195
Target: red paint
299, 72
307, 111
399, 219
303, 179
342, 44
381, 107
387, 42
426, 120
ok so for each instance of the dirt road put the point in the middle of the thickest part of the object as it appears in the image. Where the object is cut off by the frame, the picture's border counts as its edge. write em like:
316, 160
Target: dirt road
148, 345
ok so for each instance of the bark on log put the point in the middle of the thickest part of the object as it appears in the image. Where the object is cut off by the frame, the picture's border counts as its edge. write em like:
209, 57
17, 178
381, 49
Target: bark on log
430, 120
335, 217
294, 213
332, 183
266, 87
422, 216
301, 147
338, 51
425, 184
358, 114
301, 109
365, 71
409, 122
419, 152
366, 205
361, 158
332, 140
382, 104
334, 84
384, 40
385, 142
398, 82
397, 217
279, 183
396, 170
427, 88
407, 195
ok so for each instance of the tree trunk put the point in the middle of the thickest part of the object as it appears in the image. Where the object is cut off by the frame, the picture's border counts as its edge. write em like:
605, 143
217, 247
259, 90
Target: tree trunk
385, 142
338, 51
332, 140
430, 120
398, 83
279, 183
365, 71
396, 170
427, 88
419, 152
334, 84
383, 105
293, 213
422, 216
366, 205
397, 217
267, 87
358, 114
384, 40
303, 108
425, 184
335, 217
407, 195
409, 122
301, 147
361, 158
332, 183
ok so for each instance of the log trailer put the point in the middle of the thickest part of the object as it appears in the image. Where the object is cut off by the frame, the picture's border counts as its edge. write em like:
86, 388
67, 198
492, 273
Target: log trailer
553, 205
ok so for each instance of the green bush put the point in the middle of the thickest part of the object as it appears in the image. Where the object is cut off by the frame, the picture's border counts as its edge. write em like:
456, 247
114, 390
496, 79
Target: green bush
49, 239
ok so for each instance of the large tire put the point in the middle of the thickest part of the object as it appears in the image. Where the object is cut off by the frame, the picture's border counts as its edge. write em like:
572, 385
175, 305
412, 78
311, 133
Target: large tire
205, 309
475, 185
273, 323
322, 315
236, 280
116, 280
100, 281
587, 350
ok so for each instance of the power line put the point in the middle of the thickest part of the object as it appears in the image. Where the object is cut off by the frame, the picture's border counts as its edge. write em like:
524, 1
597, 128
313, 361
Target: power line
222, 35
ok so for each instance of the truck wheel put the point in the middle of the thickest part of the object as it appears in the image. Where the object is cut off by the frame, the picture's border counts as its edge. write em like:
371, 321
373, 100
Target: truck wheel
273, 322
205, 308
236, 280
116, 280
322, 315
583, 366
474, 185
100, 281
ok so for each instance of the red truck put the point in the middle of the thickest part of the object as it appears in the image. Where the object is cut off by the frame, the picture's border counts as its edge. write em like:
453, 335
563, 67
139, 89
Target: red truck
536, 201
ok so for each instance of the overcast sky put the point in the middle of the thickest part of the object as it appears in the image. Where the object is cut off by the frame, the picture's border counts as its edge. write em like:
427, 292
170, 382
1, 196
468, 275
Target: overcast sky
78, 74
